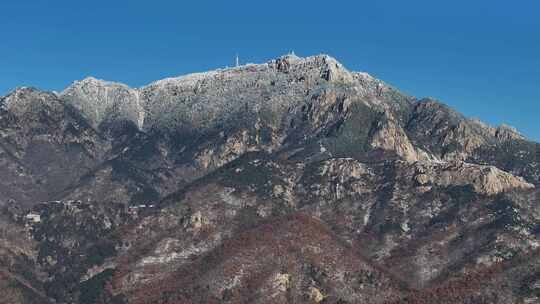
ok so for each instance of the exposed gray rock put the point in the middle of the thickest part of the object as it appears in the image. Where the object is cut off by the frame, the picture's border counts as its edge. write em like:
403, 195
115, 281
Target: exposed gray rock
102, 101
484, 179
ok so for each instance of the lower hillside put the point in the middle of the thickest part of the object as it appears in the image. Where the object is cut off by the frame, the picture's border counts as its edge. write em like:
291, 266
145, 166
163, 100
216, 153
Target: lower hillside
289, 259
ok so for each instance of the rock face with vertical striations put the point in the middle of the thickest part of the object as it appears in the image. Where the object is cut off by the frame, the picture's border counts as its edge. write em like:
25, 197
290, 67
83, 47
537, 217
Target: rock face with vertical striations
290, 181
105, 102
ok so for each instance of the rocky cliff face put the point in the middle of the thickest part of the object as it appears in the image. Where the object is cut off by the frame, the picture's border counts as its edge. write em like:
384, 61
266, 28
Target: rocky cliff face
174, 193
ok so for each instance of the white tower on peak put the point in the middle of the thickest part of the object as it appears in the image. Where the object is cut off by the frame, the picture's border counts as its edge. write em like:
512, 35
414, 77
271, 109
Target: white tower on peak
237, 60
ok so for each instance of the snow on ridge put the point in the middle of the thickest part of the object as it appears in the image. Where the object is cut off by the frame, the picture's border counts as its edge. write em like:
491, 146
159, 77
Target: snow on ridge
193, 78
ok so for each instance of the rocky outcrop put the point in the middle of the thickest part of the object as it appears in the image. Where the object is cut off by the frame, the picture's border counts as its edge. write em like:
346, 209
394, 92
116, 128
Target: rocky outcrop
484, 179
388, 135
315, 295
505, 132
444, 132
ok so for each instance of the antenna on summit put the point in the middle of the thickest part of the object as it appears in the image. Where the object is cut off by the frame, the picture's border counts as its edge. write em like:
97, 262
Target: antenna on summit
237, 60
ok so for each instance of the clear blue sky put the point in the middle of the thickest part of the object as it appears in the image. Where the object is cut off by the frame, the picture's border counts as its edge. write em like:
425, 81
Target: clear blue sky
480, 57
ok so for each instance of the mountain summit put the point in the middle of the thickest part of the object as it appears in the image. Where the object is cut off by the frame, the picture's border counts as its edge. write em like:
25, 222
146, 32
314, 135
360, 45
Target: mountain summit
291, 181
